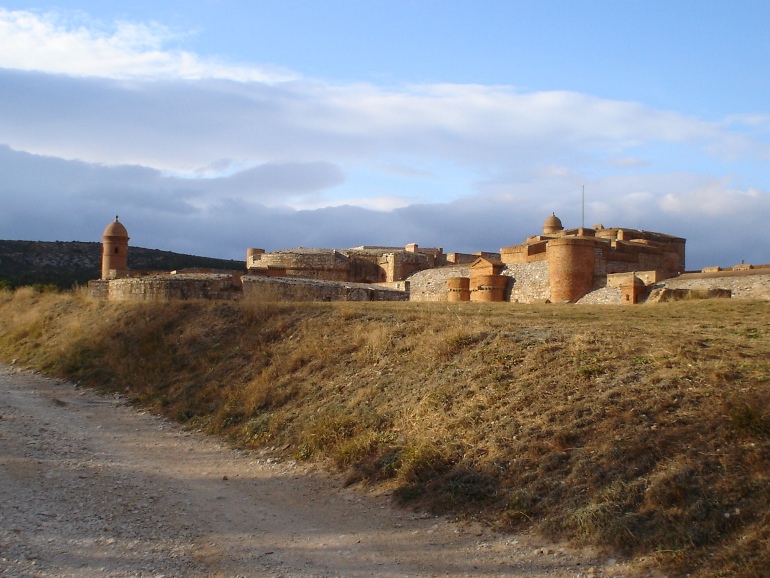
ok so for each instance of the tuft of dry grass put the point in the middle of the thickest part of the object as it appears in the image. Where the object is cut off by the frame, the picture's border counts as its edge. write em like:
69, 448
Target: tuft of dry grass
642, 429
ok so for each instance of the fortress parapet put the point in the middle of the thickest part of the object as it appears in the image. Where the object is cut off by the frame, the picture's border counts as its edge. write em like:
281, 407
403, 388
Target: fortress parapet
579, 260
565, 265
365, 264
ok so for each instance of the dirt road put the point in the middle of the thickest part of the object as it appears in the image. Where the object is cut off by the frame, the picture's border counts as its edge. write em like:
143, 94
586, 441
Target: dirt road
91, 487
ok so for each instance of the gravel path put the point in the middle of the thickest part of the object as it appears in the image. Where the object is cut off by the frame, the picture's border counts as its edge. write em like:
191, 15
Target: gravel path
91, 487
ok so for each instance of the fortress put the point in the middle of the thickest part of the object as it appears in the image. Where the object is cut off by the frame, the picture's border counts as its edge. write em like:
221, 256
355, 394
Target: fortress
582, 265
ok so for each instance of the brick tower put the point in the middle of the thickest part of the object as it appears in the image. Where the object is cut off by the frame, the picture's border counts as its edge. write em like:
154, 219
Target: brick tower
115, 250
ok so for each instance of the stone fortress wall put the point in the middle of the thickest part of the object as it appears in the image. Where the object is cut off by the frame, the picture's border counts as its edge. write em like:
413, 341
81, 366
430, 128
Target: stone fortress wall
365, 264
561, 265
266, 289
584, 265
222, 286
741, 282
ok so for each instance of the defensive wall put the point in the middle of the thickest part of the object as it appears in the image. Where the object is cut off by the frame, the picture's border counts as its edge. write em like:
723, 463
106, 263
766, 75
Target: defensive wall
746, 283
583, 265
266, 289
169, 286
560, 265
581, 260
365, 264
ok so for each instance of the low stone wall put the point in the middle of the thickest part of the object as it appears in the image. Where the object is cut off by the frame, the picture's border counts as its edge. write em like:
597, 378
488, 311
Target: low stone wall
741, 286
603, 296
269, 289
431, 284
98, 288
665, 294
531, 283
166, 287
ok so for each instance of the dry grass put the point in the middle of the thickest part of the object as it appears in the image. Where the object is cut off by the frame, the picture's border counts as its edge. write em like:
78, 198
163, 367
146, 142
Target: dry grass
643, 429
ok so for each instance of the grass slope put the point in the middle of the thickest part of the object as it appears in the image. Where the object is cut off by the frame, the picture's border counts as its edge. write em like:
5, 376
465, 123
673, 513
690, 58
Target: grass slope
643, 429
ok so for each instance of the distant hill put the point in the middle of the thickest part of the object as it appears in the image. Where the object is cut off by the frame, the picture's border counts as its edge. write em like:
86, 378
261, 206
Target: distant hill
66, 264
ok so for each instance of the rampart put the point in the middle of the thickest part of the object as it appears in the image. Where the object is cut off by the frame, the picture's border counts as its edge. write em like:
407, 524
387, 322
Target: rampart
364, 264
165, 287
531, 282
267, 289
596, 265
742, 284
431, 285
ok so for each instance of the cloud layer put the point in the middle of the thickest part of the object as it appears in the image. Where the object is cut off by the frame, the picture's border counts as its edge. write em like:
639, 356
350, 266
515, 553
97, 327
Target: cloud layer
202, 156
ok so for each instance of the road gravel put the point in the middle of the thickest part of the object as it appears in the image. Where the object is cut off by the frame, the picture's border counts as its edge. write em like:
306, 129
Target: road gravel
90, 487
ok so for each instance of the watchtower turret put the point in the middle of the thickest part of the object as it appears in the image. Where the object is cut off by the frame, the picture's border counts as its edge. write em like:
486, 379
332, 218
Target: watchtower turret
114, 250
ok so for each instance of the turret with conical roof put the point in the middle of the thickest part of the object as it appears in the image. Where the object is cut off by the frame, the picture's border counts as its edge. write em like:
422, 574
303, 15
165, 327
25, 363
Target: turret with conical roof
115, 250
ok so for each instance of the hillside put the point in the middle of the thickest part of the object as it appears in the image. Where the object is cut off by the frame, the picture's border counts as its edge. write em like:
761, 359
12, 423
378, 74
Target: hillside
644, 430
65, 264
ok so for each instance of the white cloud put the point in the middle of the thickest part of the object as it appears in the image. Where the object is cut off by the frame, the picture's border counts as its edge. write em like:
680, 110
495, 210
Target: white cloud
225, 150
716, 199
123, 94
628, 162
186, 125
384, 203
55, 43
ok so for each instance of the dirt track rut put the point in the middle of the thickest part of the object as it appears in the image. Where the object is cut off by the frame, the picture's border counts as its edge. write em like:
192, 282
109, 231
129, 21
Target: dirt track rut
91, 487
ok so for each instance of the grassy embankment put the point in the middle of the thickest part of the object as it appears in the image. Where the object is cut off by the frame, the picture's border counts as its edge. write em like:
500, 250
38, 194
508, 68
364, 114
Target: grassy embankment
643, 429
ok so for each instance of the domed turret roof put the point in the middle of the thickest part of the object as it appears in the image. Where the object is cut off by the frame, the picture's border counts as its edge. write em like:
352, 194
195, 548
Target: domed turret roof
115, 229
552, 224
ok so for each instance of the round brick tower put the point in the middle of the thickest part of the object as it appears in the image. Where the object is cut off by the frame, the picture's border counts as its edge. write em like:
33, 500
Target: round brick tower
458, 289
114, 249
571, 264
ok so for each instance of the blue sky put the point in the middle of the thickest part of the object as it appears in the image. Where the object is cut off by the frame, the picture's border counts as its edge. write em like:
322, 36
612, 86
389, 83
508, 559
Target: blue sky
212, 126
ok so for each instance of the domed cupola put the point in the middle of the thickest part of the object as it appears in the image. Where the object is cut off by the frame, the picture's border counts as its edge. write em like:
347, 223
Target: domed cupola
552, 225
115, 229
